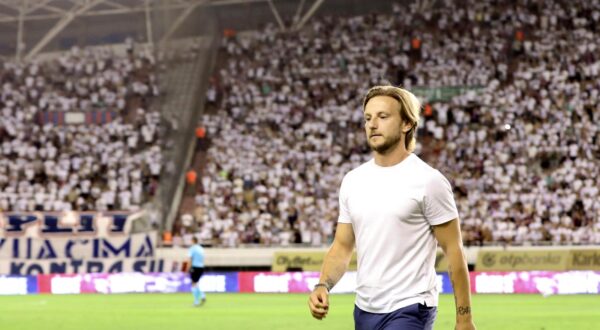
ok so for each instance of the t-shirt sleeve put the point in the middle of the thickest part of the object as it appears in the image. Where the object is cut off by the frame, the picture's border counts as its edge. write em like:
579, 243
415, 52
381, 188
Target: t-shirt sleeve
344, 216
439, 205
190, 253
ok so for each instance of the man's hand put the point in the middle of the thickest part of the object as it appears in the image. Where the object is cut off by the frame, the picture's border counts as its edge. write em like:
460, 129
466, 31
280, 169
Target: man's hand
465, 326
318, 303
334, 266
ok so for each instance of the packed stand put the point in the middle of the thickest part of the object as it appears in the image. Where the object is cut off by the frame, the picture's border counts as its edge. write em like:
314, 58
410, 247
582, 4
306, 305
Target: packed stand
48, 167
521, 150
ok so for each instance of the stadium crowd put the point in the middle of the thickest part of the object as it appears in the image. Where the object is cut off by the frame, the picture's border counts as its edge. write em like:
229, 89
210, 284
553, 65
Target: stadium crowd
521, 148
52, 167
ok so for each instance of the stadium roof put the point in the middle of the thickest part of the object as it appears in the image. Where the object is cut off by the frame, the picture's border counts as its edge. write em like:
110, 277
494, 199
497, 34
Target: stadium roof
62, 12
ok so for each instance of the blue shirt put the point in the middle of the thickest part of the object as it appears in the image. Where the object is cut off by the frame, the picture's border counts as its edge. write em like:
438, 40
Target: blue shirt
196, 252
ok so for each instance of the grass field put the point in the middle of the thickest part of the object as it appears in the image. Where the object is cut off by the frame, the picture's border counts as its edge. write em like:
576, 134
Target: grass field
275, 311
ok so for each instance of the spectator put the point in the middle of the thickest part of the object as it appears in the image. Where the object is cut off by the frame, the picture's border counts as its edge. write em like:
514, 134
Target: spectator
521, 148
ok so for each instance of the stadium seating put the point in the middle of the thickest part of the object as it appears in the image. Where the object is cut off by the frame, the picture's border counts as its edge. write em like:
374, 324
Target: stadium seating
76, 132
521, 149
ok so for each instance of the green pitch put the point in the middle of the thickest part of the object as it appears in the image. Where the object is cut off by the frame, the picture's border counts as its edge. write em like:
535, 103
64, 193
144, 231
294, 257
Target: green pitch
275, 311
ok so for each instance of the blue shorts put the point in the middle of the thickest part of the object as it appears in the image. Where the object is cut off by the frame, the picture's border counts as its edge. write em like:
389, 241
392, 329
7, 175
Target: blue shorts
412, 317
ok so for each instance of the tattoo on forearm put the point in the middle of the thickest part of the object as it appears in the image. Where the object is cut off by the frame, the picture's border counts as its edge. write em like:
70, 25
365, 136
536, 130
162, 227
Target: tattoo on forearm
463, 310
460, 310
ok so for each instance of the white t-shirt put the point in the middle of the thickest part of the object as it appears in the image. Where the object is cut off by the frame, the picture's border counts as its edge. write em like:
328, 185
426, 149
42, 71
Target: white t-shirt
391, 210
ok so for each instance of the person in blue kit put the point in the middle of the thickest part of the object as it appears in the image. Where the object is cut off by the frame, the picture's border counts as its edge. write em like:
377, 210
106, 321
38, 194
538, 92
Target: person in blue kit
196, 254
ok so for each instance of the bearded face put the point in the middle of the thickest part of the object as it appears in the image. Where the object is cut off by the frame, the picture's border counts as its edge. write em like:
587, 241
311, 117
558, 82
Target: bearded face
383, 125
383, 144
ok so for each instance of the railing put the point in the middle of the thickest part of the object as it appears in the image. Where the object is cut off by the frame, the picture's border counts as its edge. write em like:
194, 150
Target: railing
183, 82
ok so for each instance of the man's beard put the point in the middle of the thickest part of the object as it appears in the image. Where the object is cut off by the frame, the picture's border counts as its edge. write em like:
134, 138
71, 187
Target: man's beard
388, 145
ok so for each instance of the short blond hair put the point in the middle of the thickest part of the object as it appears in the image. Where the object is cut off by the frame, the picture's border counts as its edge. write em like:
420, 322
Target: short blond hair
410, 109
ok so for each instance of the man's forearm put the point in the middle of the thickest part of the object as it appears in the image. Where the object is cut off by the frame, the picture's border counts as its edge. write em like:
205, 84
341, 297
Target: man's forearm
459, 275
334, 267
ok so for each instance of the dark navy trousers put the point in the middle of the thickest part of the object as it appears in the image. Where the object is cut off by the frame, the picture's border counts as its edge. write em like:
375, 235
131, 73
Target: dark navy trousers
413, 317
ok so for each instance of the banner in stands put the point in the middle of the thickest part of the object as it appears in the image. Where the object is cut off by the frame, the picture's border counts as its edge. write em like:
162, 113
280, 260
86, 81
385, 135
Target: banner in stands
522, 260
433, 94
584, 260
131, 246
31, 256
18, 285
531, 282
542, 282
293, 282
278, 282
135, 283
66, 224
233, 282
79, 266
312, 261
95, 117
302, 260
303, 282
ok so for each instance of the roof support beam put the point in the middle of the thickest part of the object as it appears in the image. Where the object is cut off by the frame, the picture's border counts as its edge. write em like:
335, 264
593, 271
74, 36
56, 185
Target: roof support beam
53, 9
186, 13
62, 23
149, 36
298, 12
116, 5
276, 14
309, 14
36, 6
63, 12
53, 12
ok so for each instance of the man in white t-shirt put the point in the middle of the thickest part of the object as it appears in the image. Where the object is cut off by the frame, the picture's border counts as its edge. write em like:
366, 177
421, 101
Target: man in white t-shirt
395, 207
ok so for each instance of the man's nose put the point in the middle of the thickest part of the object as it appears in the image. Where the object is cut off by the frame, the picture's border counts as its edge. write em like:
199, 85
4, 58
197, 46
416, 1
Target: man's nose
372, 123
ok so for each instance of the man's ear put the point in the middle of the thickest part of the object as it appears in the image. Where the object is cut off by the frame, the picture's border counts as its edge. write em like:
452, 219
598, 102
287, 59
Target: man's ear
406, 127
